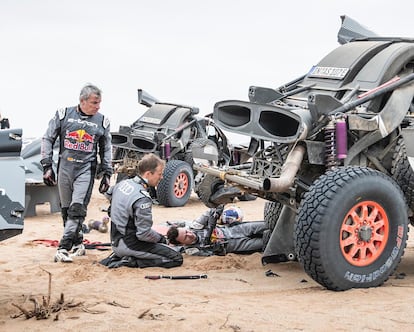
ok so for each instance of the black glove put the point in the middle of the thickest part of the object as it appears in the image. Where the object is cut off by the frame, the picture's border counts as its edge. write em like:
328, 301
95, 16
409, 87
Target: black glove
162, 239
219, 248
49, 177
215, 214
105, 183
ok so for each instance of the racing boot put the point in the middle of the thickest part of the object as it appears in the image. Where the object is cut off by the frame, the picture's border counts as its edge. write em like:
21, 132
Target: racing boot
78, 250
62, 255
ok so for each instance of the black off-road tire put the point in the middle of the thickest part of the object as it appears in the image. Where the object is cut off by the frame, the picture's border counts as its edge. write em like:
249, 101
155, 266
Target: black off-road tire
207, 187
403, 174
176, 185
351, 228
271, 213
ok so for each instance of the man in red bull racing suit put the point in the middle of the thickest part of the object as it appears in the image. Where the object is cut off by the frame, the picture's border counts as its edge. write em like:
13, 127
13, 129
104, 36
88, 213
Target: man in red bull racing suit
83, 134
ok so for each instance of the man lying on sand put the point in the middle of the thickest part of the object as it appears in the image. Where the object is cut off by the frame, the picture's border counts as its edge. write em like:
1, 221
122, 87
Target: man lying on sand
217, 232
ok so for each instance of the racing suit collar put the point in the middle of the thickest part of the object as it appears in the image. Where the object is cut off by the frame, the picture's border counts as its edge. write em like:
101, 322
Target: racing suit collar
81, 112
141, 180
197, 240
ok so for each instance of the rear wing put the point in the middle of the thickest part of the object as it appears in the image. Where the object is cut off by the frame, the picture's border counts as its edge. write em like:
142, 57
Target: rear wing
351, 29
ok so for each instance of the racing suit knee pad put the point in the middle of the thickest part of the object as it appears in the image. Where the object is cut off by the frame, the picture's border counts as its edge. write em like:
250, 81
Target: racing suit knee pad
77, 211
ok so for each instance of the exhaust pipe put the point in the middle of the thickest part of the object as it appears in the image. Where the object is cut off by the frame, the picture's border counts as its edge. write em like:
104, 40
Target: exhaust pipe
281, 184
289, 170
229, 175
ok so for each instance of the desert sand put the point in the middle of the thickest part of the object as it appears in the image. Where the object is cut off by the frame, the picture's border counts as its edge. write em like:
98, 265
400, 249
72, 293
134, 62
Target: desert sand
235, 296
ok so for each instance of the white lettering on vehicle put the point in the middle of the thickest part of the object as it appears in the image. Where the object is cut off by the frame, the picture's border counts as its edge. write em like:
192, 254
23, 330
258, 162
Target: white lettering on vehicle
362, 278
328, 72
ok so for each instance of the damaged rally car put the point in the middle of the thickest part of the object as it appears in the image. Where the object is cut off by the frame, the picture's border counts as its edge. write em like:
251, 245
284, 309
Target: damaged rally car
330, 153
12, 183
172, 132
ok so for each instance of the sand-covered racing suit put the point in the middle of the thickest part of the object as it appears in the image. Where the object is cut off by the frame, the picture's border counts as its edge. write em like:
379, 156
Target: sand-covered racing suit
81, 139
131, 222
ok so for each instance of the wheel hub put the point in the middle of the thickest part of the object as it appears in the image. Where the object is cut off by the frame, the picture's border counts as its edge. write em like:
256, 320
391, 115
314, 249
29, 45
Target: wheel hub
181, 185
365, 233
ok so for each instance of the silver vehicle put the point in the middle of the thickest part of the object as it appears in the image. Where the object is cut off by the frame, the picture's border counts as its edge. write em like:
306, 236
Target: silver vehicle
332, 153
173, 132
12, 184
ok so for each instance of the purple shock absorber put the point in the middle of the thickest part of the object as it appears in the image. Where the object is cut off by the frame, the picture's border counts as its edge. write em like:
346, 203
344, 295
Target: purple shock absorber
167, 150
341, 139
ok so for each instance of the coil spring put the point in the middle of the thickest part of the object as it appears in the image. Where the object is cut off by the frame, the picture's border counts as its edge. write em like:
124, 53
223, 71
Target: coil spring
330, 145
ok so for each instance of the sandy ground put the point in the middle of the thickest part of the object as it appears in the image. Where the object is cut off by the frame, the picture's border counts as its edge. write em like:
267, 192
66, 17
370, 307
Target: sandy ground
236, 296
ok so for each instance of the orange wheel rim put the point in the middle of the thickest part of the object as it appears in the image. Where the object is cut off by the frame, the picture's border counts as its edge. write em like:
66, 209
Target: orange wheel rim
364, 233
181, 185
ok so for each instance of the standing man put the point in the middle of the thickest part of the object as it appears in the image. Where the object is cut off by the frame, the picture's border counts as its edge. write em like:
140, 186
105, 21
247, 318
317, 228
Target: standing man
131, 219
83, 134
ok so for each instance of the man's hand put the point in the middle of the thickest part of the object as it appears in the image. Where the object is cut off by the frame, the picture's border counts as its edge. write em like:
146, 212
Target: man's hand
49, 177
105, 183
219, 248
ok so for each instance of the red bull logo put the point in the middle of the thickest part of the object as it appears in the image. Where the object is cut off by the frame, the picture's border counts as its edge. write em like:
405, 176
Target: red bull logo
217, 235
80, 135
79, 140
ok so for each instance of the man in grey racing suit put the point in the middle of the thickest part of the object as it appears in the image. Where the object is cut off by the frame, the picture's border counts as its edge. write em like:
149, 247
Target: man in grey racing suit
208, 238
132, 236
83, 134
